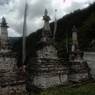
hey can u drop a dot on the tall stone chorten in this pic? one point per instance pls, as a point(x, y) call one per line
point(3, 34)
point(47, 69)
point(79, 69)
point(7, 57)
point(9, 79)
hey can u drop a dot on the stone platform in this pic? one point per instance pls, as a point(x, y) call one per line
point(79, 71)
point(48, 72)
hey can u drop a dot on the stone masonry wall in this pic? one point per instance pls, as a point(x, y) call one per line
point(48, 72)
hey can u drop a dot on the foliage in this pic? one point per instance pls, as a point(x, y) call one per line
point(87, 89)
point(84, 20)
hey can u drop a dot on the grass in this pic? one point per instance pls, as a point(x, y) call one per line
point(86, 89)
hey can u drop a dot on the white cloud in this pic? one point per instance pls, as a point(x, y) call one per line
point(13, 33)
point(13, 10)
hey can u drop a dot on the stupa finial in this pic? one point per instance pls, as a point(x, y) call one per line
point(3, 22)
point(46, 12)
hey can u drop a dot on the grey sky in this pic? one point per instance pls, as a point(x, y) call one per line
point(13, 10)
point(2, 2)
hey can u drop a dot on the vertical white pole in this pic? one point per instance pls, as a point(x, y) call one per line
point(24, 35)
point(55, 26)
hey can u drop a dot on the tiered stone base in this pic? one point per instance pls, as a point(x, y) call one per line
point(10, 82)
point(79, 71)
point(44, 73)
point(48, 72)
point(16, 88)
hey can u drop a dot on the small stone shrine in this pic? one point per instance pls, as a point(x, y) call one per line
point(9, 77)
point(7, 57)
point(79, 69)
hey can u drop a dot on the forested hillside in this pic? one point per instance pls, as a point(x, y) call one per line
point(84, 20)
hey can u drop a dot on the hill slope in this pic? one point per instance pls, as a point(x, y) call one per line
point(85, 23)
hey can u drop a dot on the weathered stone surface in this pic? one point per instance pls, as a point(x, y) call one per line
point(13, 89)
point(45, 81)
point(48, 72)
point(90, 58)
point(9, 79)
point(79, 69)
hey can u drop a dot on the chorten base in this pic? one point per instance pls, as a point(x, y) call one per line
point(79, 71)
point(48, 72)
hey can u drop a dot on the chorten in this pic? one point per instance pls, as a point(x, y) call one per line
point(3, 34)
point(79, 69)
point(47, 69)
point(8, 61)
point(7, 57)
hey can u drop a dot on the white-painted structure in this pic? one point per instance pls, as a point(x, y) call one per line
point(79, 69)
point(3, 34)
point(47, 69)
point(7, 57)
point(8, 64)
point(90, 58)
point(47, 52)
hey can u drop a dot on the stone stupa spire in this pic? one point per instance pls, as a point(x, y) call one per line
point(4, 34)
point(46, 19)
point(3, 22)
point(46, 33)
point(74, 39)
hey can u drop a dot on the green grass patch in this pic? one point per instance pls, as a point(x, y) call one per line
point(87, 89)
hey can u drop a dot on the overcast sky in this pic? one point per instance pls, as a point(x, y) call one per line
point(13, 11)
